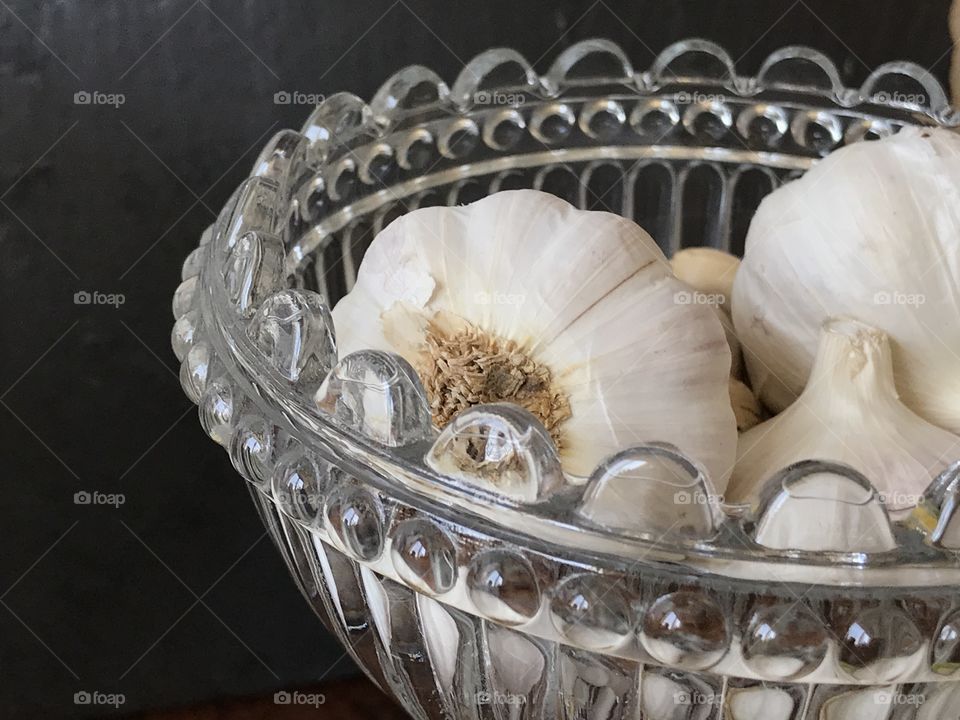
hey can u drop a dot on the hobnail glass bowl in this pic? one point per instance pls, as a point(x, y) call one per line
point(464, 604)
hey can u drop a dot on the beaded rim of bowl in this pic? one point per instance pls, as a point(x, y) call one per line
point(258, 401)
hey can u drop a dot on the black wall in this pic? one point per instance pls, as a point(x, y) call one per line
point(176, 595)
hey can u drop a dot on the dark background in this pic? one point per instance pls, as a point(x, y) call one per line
point(177, 596)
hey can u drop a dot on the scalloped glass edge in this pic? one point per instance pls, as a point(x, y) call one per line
point(560, 77)
point(392, 468)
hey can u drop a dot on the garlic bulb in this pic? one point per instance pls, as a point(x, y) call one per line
point(573, 315)
point(872, 232)
point(849, 413)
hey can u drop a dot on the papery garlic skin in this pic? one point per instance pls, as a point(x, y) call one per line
point(849, 413)
point(872, 232)
point(588, 295)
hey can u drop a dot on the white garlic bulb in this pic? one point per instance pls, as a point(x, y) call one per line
point(574, 315)
point(872, 232)
point(849, 413)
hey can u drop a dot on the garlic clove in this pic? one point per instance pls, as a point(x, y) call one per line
point(871, 703)
point(583, 301)
point(816, 506)
point(849, 413)
point(592, 685)
point(871, 231)
point(378, 604)
point(652, 491)
point(501, 448)
point(754, 703)
point(517, 661)
point(710, 273)
point(442, 638)
point(662, 696)
point(707, 270)
point(746, 407)
point(378, 395)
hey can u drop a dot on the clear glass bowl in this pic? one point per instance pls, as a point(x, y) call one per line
point(462, 603)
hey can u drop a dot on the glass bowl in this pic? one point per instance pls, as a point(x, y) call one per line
point(464, 603)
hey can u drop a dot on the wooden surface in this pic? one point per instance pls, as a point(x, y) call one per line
point(355, 699)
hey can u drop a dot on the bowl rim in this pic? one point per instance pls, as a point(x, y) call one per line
point(399, 472)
